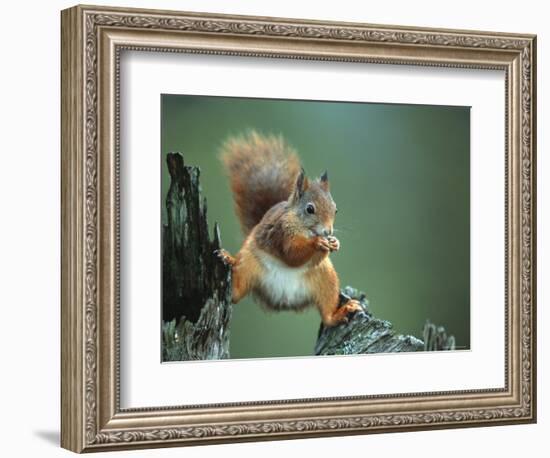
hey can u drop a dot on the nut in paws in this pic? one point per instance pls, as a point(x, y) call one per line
point(333, 243)
point(323, 244)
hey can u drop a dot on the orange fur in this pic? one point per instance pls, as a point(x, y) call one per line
point(298, 250)
point(262, 170)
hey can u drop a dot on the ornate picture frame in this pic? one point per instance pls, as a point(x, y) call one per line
point(92, 41)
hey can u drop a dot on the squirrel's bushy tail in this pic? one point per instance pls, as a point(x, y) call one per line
point(262, 171)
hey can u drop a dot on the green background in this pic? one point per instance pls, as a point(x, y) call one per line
point(400, 177)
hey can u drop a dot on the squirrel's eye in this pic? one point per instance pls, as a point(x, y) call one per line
point(310, 209)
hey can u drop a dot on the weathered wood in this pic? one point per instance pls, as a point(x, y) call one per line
point(362, 333)
point(436, 338)
point(196, 285)
point(207, 338)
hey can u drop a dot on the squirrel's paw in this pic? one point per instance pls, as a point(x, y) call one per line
point(333, 243)
point(226, 258)
point(322, 244)
point(343, 313)
point(349, 308)
point(353, 305)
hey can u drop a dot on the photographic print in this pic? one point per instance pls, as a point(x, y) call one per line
point(300, 228)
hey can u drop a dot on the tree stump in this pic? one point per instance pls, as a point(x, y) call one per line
point(196, 285)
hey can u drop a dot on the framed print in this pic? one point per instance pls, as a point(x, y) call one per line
point(278, 228)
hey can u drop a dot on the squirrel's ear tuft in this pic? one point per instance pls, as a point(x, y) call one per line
point(324, 181)
point(302, 183)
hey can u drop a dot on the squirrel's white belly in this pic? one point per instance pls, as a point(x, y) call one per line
point(283, 287)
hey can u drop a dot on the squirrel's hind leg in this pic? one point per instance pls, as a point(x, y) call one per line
point(327, 298)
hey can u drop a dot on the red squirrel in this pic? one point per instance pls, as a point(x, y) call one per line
point(288, 223)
